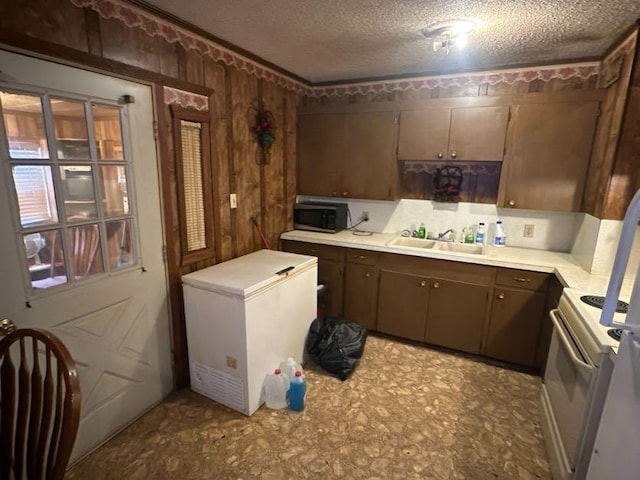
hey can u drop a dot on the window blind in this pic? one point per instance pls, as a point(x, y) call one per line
point(193, 186)
point(34, 188)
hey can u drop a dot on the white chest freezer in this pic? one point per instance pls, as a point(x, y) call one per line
point(243, 317)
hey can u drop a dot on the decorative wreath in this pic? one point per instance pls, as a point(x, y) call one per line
point(446, 184)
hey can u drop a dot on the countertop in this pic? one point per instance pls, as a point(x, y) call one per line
point(566, 268)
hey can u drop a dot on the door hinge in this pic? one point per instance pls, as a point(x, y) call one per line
point(155, 130)
point(164, 254)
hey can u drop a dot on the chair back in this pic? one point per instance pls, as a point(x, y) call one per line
point(39, 405)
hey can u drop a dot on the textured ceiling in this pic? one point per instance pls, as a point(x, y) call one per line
point(333, 40)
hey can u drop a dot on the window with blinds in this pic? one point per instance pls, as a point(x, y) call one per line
point(34, 188)
point(195, 199)
point(192, 185)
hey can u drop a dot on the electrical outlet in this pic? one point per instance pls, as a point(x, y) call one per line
point(365, 216)
point(528, 230)
point(233, 200)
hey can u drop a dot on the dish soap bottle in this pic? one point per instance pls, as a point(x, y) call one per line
point(480, 234)
point(499, 239)
point(422, 231)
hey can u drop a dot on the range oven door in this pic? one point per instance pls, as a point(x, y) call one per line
point(569, 379)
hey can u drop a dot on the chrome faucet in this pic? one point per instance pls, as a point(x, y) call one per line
point(442, 235)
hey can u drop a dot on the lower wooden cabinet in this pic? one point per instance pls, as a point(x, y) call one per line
point(330, 271)
point(361, 294)
point(402, 304)
point(456, 315)
point(516, 318)
point(440, 302)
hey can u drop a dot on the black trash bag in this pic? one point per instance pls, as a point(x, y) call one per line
point(336, 345)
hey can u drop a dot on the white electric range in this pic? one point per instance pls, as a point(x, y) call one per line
point(576, 379)
point(584, 321)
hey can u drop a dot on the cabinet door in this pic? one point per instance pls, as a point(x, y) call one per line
point(478, 133)
point(361, 294)
point(330, 273)
point(549, 155)
point(456, 315)
point(516, 318)
point(369, 166)
point(402, 304)
point(424, 134)
point(321, 152)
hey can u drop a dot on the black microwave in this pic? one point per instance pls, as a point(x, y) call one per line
point(320, 217)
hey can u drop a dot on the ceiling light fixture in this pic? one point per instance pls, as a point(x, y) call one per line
point(447, 34)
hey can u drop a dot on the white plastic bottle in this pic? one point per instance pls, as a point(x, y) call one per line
point(499, 238)
point(289, 367)
point(276, 389)
point(480, 234)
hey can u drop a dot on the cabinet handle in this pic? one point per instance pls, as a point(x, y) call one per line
point(368, 274)
point(511, 203)
point(440, 155)
point(334, 194)
point(361, 257)
point(500, 296)
point(423, 283)
point(454, 154)
point(345, 194)
point(522, 279)
point(436, 285)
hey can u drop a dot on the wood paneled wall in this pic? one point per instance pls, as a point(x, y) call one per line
point(265, 191)
point(615, 161)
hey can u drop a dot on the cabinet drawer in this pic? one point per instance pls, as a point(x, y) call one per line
point(326, 252)
point(362, 257)
point(522, 279)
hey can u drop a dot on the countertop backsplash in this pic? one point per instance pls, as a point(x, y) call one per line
point(553, 231)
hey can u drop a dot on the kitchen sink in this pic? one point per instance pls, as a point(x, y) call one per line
point(412, 242)
point(459, 248)
point(420, 243)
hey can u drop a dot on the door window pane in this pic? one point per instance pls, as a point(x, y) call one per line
point(120, 244)
point(24, 125)
point(96, 234)
point(70, 125)
point(78, 192)
point(114, 190)
point(36, 197)
point(86, 253)
point(106, 125)
point(45, 259)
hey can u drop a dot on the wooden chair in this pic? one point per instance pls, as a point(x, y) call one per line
point(85, 240)
point(39, 405)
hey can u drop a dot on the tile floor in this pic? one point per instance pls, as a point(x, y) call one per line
point(407, 412)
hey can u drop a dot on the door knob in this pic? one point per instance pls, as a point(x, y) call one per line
point(454, 154)
point(512, 203)
point(368, 274)
point(440, 155)
point(423, 283)
point(500, 296)
point(436, 285)
point(6, 326)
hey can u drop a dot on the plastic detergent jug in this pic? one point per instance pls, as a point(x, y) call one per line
point(289, 367)
point(298, 392)
point(276, 387)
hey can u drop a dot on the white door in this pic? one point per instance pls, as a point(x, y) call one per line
point(81, 233)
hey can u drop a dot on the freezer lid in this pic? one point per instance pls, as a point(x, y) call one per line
point(246, 275)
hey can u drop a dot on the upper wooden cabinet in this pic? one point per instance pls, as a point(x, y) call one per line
point(548, 155)
point(464, 133)
point(347, 155)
